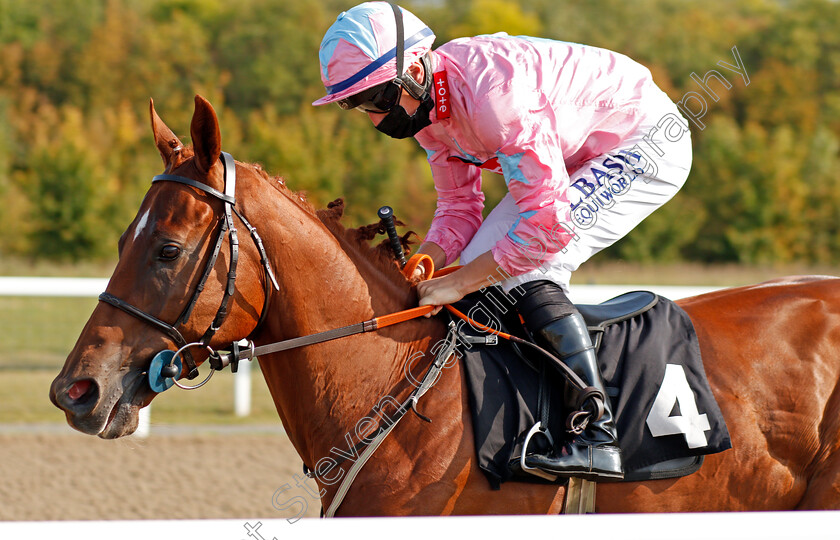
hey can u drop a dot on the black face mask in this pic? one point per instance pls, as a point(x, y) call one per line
point(399, 125)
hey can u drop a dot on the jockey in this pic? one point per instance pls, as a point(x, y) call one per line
point(586, 142)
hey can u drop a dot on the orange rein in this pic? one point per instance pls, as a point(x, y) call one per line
point(220, 361)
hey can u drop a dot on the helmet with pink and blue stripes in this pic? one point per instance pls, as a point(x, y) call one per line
point(359, 50)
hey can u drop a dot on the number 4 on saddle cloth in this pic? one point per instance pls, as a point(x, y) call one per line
point(649, 356)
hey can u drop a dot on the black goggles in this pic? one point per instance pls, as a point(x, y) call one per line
point(379, 99)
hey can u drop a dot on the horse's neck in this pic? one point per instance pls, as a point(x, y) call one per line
point(323, 391)
point(327, 280)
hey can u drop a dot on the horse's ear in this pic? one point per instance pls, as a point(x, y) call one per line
point(206, 138)
point(166, 141)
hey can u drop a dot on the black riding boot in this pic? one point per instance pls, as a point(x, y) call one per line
point(594, 453)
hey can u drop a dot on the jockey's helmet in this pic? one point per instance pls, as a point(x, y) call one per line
point(359, 50)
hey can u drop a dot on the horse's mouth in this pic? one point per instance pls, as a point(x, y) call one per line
point(123, 417)
point(103, 406)
point(108, 409)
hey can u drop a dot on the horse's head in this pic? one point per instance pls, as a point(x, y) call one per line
point(164, 255)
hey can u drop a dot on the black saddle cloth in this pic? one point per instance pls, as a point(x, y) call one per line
point(651, 358)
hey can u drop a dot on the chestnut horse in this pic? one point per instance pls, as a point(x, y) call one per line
point(770, 351)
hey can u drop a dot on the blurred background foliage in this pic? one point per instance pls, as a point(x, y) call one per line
point(76, 152)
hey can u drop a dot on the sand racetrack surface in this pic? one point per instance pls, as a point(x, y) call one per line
point(69, 476)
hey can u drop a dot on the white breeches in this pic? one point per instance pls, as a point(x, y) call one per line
point(610, 195)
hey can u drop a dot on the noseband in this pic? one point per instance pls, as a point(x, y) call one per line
point(227, 228)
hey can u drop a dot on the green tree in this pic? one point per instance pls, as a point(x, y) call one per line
point(66, 202)
point(270, 51)
point(76, 76)
point(491, 16)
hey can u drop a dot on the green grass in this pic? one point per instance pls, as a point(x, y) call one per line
point(24, 398)
point(213, 403)
point(39, 332)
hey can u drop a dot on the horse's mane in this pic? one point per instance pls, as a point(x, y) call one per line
point(359, 238)
point(381, 254)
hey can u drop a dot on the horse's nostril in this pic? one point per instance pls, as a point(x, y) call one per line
point(81, 391)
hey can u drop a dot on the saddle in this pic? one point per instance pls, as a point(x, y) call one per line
point(649, 357)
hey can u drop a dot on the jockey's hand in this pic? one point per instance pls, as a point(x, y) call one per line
point(439, 291)
point(452, 287)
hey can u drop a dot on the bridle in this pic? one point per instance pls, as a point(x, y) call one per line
point(227, 228)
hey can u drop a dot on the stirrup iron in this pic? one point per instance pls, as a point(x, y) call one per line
point(536, 429)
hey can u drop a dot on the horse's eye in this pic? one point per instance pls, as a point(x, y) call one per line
point(169, 252)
